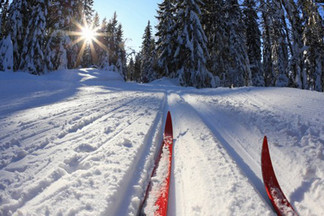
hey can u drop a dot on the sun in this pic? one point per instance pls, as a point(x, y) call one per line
point(88, 34)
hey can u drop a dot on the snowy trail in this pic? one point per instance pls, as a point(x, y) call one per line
point(83, 142)
point(207, 180)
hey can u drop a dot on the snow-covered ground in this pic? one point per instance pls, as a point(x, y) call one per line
point(83, 142)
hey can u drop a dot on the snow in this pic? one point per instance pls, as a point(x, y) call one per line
point(84, 142)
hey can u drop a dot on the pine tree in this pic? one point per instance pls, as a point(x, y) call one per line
point(59, 22)
point(239, 73)
point(166, 34)
point(4, 7)
point(314, 45)
point(279, 46)
point(296, 63)
point(191, 46)
point(253, 41)
point(266, 38)
point(103, 57)
point(6, 54)
point(16, 26)
point(33, 56)
point(120, 51)
point(213, 13)
point(147, 55)
point(111, 40)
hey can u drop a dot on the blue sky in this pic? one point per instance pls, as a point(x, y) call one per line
point(132, 14)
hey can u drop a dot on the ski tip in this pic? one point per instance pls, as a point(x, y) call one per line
point(265, 140)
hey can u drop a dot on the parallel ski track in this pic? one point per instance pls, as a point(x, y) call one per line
point(86, 131)
point(239, 158)
point(222, 158)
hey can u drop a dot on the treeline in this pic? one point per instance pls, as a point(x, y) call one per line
point(215, 43)
point(203, 43)
point(44, 35)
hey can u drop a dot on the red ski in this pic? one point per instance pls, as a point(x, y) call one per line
point(157, 194)
point(275, 194)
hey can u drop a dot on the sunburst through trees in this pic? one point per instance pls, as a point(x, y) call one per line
point(88, 35)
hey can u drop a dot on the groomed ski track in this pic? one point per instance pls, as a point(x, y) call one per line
point(90, 149)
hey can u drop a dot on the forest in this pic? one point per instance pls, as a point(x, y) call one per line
point(202, 43)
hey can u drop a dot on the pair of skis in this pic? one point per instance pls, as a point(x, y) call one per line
point(158, 190)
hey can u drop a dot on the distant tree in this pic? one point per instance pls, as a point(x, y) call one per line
point(148, 55)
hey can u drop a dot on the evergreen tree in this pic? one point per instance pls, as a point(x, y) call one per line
point(279, 46)
point(253, 41)
point(111, 40)
point(213, 13)
point(4, 7)
point(6, 54)
point(147, 55)
point(120, 51)
point(313, 38)
point(16, 26)
point(137, 68)
point(166, 34)
point(33, 56)
point(239, 73)
point(296, 63)
point(266, 38)
point(59, 22)
point(191, 46)
point(88, 10)
point(103, 57)
point(130, 70)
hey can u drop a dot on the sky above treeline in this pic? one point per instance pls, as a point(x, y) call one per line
point(132, 14)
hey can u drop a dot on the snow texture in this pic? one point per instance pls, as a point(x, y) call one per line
point(83, 142)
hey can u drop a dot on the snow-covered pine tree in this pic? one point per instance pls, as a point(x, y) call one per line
point(313, 38)
point(6, 54)
point(239, 73)
point(212, 19)
point(33, 56)
point(279, 46)
point(120, 51)
point(130, 70)
point(137, 68)
point(266, 38)
point(166, 35)
point(253, 41)
point(4, 7)
point(147, 55)
point(88, 10)
point(16, 27)
point(296, 63)
point(191, 46)
point(58, 24)
point(111, 40)
point(103, 52)
point(77, 16)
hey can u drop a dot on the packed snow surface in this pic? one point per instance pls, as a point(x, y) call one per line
point(84, 142)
